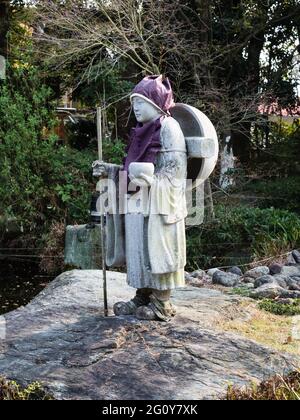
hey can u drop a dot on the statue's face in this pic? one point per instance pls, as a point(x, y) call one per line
point(143, 110)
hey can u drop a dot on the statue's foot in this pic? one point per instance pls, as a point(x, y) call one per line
point(156, 311)
point(129, 308)
point(125, 308)
point(146, 313)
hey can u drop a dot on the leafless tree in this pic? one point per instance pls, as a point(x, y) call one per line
point(143, 32)
point(156, 36)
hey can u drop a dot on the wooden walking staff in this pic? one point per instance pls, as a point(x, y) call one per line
point(103, 245)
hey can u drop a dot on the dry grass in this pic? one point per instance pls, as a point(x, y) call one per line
point(277, 388)
point(265, 328)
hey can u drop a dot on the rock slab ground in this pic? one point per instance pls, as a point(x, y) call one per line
point(63, 340)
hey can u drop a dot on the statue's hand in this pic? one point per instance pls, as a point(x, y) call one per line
point(100, 168)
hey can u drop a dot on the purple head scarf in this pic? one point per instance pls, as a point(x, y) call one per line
point(144, 141)
point(156, 90)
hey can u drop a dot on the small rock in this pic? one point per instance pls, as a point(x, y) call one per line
point(296, 256)
point(257, 272)
point(198, 274)
point(212, 271)
point(196, 282)
point(225, 279)
point(188, 278)
point(207, 279)
point(187, 275)
point(290, 271)
point(275, 268)
point(189, 281)
point(296, 279)
point(264, 280)
point(248, 280)
point(235, 270)
point(290, 260)
point(269, 291)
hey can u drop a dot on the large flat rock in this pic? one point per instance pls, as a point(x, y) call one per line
point(63, 340)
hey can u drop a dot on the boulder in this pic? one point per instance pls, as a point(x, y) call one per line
point(281, 280)
point(264, 280)
point(212, 271)
point(296, 256)
point(62, 340)
point(235, 270)
point(290, 271)
point(198, 274)
point(290, 259)
point(257, 272)
point(291, 294)
point(269, 291)
point(292, 284)
point(187, 275)
point(275, 268)
point(225, 279)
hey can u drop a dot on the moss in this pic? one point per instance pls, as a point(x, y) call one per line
point(276, 388)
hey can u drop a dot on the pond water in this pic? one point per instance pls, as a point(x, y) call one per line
point(20, 282)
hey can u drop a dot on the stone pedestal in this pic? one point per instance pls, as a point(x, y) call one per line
point(83, 247)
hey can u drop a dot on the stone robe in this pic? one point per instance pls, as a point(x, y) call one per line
point(155, 245)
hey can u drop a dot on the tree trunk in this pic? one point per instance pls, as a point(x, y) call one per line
point(4, 26)
point(204, 10)
point(208, 202)
point(241, 141)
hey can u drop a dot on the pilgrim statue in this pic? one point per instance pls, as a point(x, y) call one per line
point(145, 217)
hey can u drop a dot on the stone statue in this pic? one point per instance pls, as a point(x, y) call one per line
point(154, 239)
point(149, 234)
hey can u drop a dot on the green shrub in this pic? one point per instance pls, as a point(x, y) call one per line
point(10, 390)
point(240, 235)
point(278, 308)
point(281, 193)
point(276, 169)
point(114, 151)
point(40, 180)
point(83, 135)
